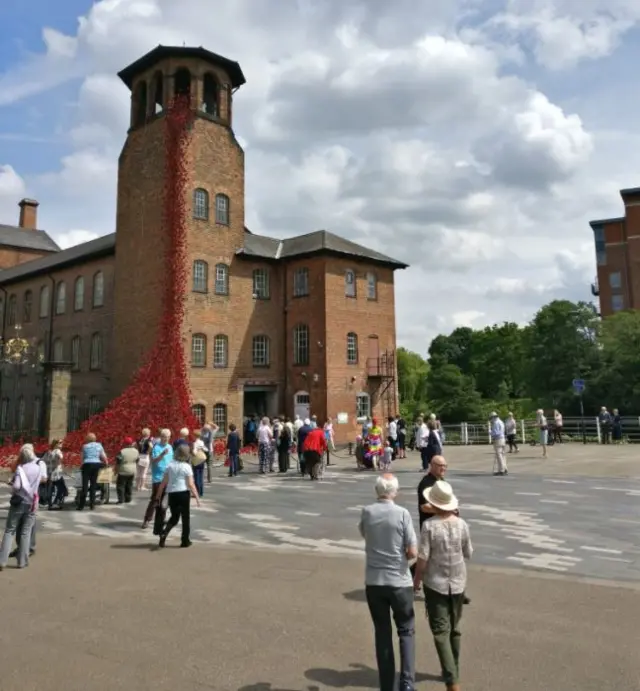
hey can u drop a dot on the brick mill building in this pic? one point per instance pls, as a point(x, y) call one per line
point(304, 325)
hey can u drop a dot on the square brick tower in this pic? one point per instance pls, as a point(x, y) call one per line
point(214, 208)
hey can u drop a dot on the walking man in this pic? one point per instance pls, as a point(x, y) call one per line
point(498, 441)
point(390, 542)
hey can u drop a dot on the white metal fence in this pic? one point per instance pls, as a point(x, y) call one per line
point(574, 429)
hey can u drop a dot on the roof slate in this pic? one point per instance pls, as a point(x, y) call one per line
point(24, 238)
point(100, 246)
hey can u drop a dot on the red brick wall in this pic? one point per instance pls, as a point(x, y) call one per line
point(10, 256)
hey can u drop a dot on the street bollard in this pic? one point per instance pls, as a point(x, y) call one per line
point(351, 448)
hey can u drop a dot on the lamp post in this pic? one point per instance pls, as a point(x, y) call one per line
point(17, 353)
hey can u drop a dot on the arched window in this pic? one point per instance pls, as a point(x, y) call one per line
point(44, 301)
point(73, 420)
point(12, 311)
point(58, 350)
point(198, 350)
point(372, 286)
point(363, 405)
point(37, 412)
point(350, 283)
point(199, 413)
point(222, 279)
point(75, 353)
point(182, 82)
point(222, 209)
point(61, 297)
point(20, 413)
point(94, 405)
point(27, 307)
point(98, 289)
point(95, 358)
point(261, 284)
point(301, 344)
point(260, 351)
point(78, 294)
point(210, 94)
point(200, 276)
point(220, 351)
point(220, 416)
point(157, 105)
point(352, 349)
point(201, 204)
point(140, 104)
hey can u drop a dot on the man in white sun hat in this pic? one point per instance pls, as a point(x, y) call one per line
point(445, 543)
point(498, 441)
point(390, 542)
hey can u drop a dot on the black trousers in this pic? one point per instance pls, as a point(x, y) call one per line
point(179, 505)
point(155, 509)
point(124, 488)
point(89, 483)
point(283, 459)
point(511, 440)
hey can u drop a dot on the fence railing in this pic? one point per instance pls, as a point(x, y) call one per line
point(574, 429)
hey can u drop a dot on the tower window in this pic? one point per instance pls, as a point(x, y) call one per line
point(220, 351)
point(198, 350)
point(200, 276)
point(182, 81)
point(220, 415)
point(352, 349)
point(98, 289)
point(372, 286)
point(261, 284)
point(95, 355)
point(44, 301)
point(222, 209)
point(260, 351)
point(27, 306)
point(210, 94)
point(222, 279)
point(301, 345)
point(201, 204)
point(61, 297)
point(301, 283)
point(140, 104)
point(158, 92)
point(78, 294)
point(350, 283)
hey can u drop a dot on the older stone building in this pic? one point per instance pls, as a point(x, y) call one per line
point(304, 325)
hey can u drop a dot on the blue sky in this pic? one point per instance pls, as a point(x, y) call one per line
point(517, 125)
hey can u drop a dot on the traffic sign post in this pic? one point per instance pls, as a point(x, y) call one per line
point(578, 387)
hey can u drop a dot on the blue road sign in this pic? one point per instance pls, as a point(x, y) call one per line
point(578, 385)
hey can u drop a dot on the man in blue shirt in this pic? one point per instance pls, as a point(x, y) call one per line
point(161, 456)
point(498, 441)
point(302, 435)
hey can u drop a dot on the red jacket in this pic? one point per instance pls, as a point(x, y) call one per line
point(315, 441)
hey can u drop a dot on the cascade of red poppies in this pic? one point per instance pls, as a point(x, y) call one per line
point(158, 395)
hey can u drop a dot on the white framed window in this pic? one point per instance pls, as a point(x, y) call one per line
point(58, 350)
point(617, 303)
point(222, 279)
point(199, 413)
point(350, 283)
point(220, 351)
point(78, 294)
point(220, 416)
point(363, 405)
point(95, 356)
point(201, 204)
point(301, 282)
point(12, 311)
point(352, 349)
point(261, 284)
point(222, 209)
point(44, 301)
point(615, 280)
point(260, 351)
point(75, 353)
point(61, 298)
point(200, 276)
point(372, 286)
point(198, 350)
point(98, 289)
point(301, 345)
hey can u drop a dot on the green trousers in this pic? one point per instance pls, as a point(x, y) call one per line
point(445, 612)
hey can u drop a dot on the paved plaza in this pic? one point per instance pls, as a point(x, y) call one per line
point(270, 597)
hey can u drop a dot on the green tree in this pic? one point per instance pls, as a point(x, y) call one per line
point(453, 395)
point(412, 382)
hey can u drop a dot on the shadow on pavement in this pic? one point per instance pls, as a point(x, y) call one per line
point(355, 595)
point(358, 676)
point(265, 686)
point(137, 545)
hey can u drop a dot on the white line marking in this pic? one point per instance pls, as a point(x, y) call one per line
point(529, 494)
point(622, 561)
point(561, 482)
point(600, 549)
point(307, 513)
point(553, 501)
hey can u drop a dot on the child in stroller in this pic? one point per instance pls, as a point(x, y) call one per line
point(54, 491)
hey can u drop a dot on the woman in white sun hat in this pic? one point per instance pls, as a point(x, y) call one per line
point(445, 543)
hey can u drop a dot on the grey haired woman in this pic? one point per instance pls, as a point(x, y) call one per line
point(22, 508)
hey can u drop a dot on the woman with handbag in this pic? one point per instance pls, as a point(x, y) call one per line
point(145, 444)
point(180, 487)
point(198, 460)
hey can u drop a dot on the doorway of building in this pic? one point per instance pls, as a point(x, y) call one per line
point(302, 404)
point(260, 401)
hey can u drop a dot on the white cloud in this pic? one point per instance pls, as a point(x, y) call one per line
point(423, 132)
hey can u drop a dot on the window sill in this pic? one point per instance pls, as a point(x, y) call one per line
point(198, 366)
point(372, 299)
point(97, 307)
point(221, 367)
point(200, 292)
point(302, 295)
point(225, 224)
point(351, 297)
point(261, 366)
point(200, 218)
point(352, 364)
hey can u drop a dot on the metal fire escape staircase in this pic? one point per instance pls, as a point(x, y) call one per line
point(381, 371)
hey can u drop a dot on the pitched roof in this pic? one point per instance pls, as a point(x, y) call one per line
point(318, 242)
point(102, 246)
point(231, 67)
point(25, 238)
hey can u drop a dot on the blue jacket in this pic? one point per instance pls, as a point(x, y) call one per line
point(302, 435)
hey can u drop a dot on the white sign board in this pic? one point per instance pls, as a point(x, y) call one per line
point(343, 418)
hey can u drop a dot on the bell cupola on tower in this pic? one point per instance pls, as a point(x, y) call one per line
point(212, 165)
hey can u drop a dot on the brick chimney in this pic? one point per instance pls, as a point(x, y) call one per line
point(28, 214)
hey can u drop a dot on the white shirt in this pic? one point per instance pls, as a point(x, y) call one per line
point(298, 424)
point(510, 426)
point(43, 471)
point(393, 430)
point(264, 434)
point(199, 445)
point(558, 420)
point(178, 474)
point(422, 435)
